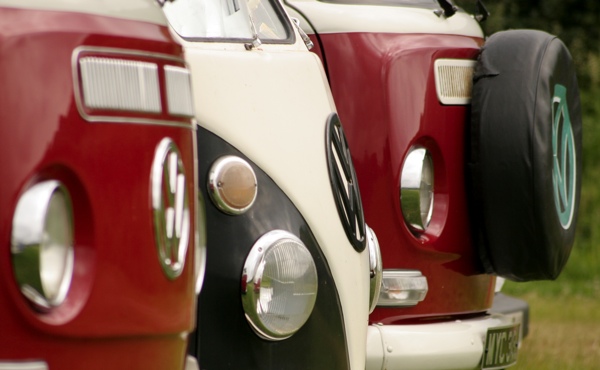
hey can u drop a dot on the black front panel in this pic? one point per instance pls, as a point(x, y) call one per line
point(224, 338)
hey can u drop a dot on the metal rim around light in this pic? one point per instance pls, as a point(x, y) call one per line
point(252, 283)
point(417, 176)
point(375, 268)
point(31, 242)
point(215, 184)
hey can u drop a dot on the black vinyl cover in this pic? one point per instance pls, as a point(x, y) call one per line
point(525, 158)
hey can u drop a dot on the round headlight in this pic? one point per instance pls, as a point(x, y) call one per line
point(42, 244)
point(416, 189)
point(232, 185)
point(279, 285)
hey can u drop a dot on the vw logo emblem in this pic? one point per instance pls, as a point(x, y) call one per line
point(563, 153)
point(170, 208)
point(344, 184)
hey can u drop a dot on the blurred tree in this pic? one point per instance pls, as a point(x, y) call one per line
point(576, 22)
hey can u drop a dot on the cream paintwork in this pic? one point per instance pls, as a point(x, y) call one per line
point(137, 10)
point(272, 104)
point(451, 345)
point(344, 18)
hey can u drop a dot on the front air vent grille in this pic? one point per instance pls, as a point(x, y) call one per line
point(132, 86)
point(179, 91)
point(454, 80)
point(118, 84)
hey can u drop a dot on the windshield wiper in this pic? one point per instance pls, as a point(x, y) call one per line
point(448, 8)
point(482, 12)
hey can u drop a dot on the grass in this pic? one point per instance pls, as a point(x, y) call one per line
point(565, 314)
point(564, 334)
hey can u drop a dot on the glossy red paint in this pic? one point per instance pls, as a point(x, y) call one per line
point(122, 311)
point(384, 89)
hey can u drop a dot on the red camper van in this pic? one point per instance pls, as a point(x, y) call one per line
point(468, 157)
point(98, 221)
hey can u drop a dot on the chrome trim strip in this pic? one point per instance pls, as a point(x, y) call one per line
point(124, 52)
point(24, 365)
point(375, 268)
point(118, 52)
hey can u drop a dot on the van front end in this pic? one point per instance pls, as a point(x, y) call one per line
point(288, 281)
point(99, 245)
point(470, 169)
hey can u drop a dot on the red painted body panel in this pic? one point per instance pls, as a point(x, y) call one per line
point(122, 310)
point(384, 89)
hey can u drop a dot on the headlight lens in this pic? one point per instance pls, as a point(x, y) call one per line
point(279, 285)
point(416, 189)
point(232, 185)
point(42, 244)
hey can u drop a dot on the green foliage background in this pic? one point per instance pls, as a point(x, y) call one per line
point(576, 22)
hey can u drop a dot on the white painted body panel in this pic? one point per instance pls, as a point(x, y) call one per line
point(272, 103)
point(138, 10)
point(345, 18)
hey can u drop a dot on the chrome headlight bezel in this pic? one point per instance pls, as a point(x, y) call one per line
point(417, 189)
point(239, 198)
point(42, 244)
point(256, 289)
point(375, 268)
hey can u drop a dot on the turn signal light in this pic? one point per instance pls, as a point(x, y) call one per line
point(402, 288)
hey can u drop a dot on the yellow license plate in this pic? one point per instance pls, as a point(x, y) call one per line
point(501, 347)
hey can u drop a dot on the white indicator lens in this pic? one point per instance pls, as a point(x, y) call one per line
point(402, 288)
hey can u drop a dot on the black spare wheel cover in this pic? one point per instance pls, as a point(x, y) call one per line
point(525, 155)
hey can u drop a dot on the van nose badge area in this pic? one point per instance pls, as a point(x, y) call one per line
point(171, 208)
point(344, 183)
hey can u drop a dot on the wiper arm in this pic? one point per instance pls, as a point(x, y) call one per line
point(307, 41)
point(448, 7)
point(255, 39)
point(482, 12)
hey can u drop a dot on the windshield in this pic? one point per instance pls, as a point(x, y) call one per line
point(227, 19)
